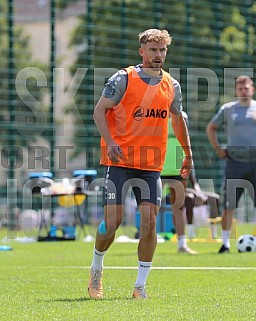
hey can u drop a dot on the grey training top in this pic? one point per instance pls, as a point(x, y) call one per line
point(116, 87)
point(240, 126)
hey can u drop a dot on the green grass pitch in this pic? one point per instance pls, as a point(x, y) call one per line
point(47, 281)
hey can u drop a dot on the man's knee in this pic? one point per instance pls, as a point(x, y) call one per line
point(148, 227)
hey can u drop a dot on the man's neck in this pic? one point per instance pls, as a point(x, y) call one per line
point(152, 72)
point(245, 102)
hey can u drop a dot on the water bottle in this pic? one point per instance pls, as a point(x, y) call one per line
point(5, 248)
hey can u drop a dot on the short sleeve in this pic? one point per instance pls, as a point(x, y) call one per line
point(115, 87)
point(218, 119)
point(176, 106)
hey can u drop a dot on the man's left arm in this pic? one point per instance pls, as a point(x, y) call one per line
point(180, 129)
point(181, 132)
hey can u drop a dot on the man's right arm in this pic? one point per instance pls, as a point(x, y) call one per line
point(116, 86)
point(112, 94)
point(212, 130)
point(99, 116)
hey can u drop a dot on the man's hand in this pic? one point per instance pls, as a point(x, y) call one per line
point(186, 167)
point(222, 153)
point(115, 152)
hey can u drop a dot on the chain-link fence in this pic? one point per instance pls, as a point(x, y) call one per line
point(57, 55)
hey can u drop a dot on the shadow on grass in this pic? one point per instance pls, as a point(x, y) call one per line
point(67, 300)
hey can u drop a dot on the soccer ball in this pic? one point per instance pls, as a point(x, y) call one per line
point(246, 243)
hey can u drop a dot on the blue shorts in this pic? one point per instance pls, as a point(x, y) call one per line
point(239, 176)
point(146, 185)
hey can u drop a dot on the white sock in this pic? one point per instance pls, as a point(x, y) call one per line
point(182, 241)
point(97, 262)
point(225, 237)
point(191, 230)
point(143, 271)
point(214, 230)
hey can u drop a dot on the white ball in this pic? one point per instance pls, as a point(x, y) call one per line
point(246, 243)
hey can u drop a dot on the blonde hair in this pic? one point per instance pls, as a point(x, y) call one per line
point(156, 35)
point(244, 80)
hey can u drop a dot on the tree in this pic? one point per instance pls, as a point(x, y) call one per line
point(206, 34)
point(29, 113)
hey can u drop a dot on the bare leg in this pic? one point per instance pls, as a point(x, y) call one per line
point(177, 197)
point(104, 238)
point(146, 246)
point(189, 203)
point(227, 218)
point(213, 202)
point(113, 218)
point(148, 240)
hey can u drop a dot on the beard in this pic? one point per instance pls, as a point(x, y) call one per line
point(244, 98)
point(156, 64)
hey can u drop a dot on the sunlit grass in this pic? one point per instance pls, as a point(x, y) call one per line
point(48, 281)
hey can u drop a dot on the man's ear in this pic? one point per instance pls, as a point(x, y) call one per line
point(141, 51)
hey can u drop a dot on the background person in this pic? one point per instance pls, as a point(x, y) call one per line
point(195, 197)
point(239, 119)
point(132, 118)
point(177, 185)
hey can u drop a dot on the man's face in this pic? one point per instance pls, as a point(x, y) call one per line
point(244, 90)
point(153, 54)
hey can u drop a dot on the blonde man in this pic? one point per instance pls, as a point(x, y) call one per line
point(132, 118)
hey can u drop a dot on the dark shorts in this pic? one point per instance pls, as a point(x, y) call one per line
point(146, 185)
point(176, 183)
point(171, 177)
point(239, 176)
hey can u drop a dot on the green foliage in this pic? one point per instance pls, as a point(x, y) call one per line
point(233, 40)
point(206, 34)
point(29, 112)
point(62, 4)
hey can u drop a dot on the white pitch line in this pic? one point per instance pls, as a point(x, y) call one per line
point(179, 268)
point(153, 268)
